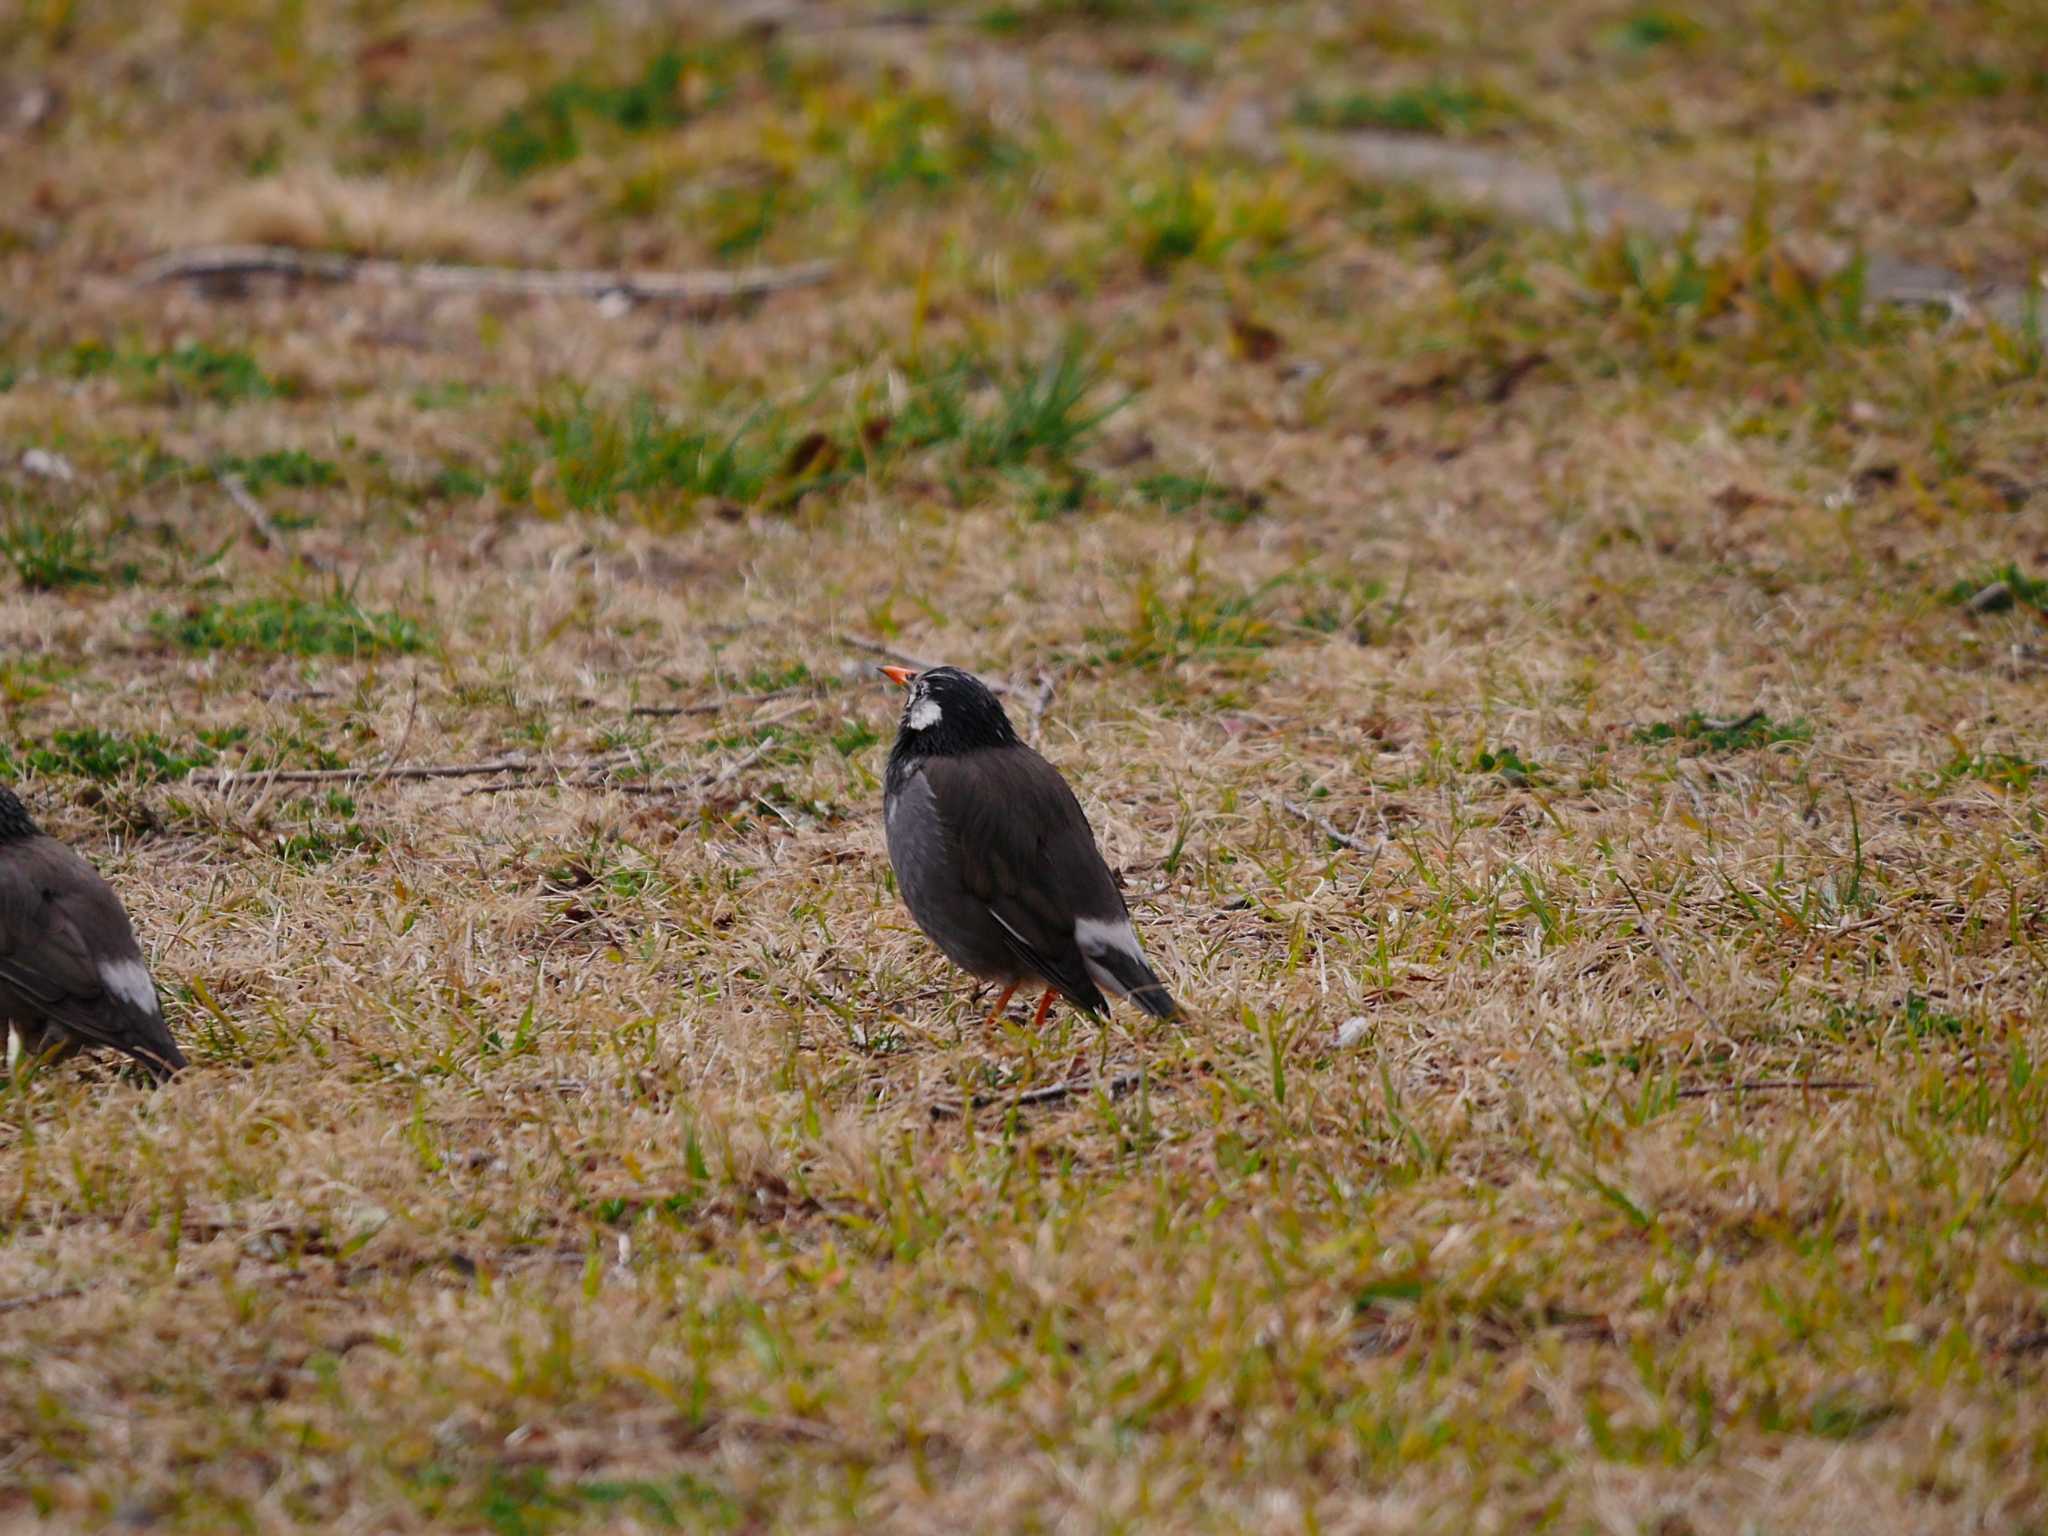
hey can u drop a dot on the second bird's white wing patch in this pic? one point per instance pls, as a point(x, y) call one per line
point(129, 981)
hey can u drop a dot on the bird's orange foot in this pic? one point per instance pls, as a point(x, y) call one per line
point(1001, 1003)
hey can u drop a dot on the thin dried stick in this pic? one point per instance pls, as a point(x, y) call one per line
point(38, 1298)
point(709, 706)
point(1052, 1093)
point(1775, 1085)
point(739, 764)
point(412, 716)
point(227, 264)
point(1329, 829)
point(268, 534)
point(689, 786)
point(228, 777)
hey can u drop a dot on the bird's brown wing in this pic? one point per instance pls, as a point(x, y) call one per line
point(1024, 850)
point(61, 928)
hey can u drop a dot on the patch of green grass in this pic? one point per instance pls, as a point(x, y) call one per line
point(196, 370)
point(1200, 622)
point(290, 467)
point(598, 459)
point(1170, 223)
point(855, 736)
point(447, 395)
point(1917, 1015)
point(2002, 770)
point(1654, 27)
point(1744, 734)
point(212, 373)
point(91, 753)
point(454, 482)
point(1184, 493)
point(50, 553)
point(1041, 412)
point(1205, 216)
point(1438, 108)
point(1513, 768)
point(1023, 420)
point(1002, 417)
point(293, 626)
point(673, 86)
point(1754, 305)
point(527, 1501)
point(2019, 587)
point(915, 140)
point(316, 843)
point(795, 674)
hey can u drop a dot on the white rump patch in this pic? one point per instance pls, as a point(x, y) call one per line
point(923, 714)
point(1097, 936)
point(129, 981)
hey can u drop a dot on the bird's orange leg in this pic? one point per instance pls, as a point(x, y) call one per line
point(1001, 1003)
point(1044, 1007)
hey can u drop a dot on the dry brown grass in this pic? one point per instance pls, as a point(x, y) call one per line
point(563, 1155)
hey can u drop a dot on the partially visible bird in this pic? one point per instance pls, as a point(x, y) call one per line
point(71, 973)
point(995, 859)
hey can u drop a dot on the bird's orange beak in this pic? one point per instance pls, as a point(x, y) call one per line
point(900, 676)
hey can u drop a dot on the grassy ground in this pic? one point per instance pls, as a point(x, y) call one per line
point(561, 1148)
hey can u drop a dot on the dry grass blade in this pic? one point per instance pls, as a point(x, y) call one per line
point(1664, 955)
point(216, 266)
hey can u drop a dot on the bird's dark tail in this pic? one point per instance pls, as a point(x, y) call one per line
point(1116, 969)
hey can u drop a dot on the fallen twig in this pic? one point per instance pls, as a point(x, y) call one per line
point(709, 706)
point(1329, 829)
point(268, 534)
point(1775, 1085)
point(741, 763)
point(38, 1298)
point(1115, 1087)
point(226, 265)
point(690, 786)
point(235, 777)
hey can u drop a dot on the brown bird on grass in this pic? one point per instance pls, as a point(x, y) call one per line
point(995, 859)
point(71, 973)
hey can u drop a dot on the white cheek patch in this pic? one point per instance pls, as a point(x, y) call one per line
point(129, 981)
point(923, 715)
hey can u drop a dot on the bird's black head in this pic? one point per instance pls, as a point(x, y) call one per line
point(948, 711)
point(15, 821)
